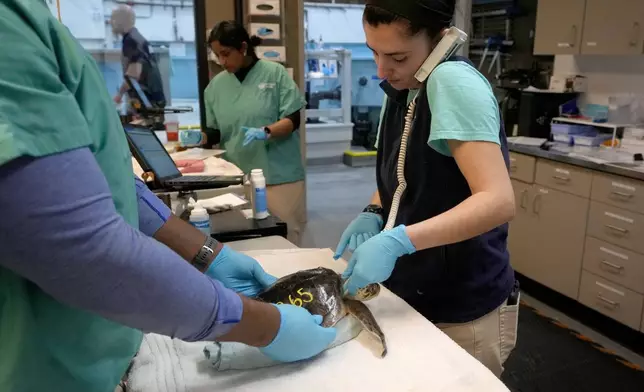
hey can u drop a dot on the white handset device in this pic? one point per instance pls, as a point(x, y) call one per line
point(448, 45)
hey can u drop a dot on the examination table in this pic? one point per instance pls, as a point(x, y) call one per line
point(420, 357)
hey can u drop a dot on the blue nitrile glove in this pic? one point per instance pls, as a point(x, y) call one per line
point(365, 226)
point(253, 134)
point(300, 335)
point(188, 138)
point(239, 272)
point(375, 259)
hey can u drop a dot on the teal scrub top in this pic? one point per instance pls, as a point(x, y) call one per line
point(266, 95)
point(54, 99)
point(451, 87)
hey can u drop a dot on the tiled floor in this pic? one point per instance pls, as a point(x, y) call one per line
point(337, 193)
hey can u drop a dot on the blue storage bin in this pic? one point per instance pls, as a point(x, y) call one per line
point(564, 133)
point(572, 129)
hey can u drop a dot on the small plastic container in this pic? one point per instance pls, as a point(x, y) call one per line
point(172, 130)
point(258, 197)
point(200, 218)
point(590, 141)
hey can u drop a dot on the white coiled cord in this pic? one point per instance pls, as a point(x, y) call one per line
point(400, 169)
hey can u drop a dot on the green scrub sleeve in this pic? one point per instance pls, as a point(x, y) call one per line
point(211, 121)
point(39, 115)
point(290, 97)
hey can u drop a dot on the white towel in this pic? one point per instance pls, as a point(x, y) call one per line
point(237, 356)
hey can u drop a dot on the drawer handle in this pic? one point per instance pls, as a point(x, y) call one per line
point(524, 194)
point(614, 267)
point(622, 194)
point(536, 204)
point(617, 229)
point(607, 301)
point(561, 178)
point(636, 34)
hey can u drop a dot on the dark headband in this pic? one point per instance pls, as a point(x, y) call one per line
point(415, 10)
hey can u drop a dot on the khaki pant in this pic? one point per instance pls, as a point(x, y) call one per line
point(286, 201)
point(490, 339)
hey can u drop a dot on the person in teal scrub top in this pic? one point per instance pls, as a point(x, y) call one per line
point(253, 112)
point(89, 257)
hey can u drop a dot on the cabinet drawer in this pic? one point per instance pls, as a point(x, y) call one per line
point(618, 191)
point(611, 300)
point(564, 177)
point(616, 226)
point(615, 264)
point(522, 167)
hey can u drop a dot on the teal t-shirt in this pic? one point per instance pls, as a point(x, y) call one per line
point(266, 95)
point(462, 104)
point(53, 99)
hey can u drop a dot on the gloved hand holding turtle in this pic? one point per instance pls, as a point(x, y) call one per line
point(239, 272)
point(365, 226)
point(300, 335)
point(375, 259)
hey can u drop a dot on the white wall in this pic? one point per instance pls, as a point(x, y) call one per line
point(334, 23)
point(87, 20)
point(606, 75)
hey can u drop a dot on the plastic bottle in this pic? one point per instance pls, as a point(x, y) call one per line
point(200, 218)
point(258, 183)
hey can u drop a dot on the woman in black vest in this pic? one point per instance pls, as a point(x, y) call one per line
point(446, 252)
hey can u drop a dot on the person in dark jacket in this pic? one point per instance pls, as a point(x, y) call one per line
point(137, 60)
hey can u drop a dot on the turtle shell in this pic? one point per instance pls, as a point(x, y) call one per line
point(318, 290)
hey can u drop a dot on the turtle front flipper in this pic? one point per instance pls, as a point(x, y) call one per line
point(362, 313)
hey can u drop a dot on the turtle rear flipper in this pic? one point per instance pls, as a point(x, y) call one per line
point(348, 328)
point(361, 312)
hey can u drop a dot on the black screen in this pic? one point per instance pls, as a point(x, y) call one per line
point(150, 149)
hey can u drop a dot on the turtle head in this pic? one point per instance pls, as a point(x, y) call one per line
point(366, 293)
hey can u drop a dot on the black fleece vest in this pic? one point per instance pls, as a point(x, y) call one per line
point(454, 283)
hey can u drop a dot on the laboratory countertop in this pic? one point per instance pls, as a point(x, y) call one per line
point(634, 170)
point(233, 225)
point(262, 243)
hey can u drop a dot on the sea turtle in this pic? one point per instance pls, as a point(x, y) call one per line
point(320, 291)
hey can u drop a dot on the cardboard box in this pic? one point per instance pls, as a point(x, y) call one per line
point(266, 30)
point(264, 7)
point(271, 53)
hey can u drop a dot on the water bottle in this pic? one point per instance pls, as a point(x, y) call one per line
point(200, 219)
point(259, 203)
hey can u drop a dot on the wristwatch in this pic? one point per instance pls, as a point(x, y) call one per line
point(202, 259)
point(376, 209)
point(268, 131)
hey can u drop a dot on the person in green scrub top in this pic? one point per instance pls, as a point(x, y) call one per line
point(90, 259)
point(253, 112)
